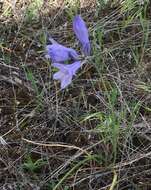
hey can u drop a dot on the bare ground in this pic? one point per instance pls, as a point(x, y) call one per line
point(40, 122)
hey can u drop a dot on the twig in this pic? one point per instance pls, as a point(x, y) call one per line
point(57, 145)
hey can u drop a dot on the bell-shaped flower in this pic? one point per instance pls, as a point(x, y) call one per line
point(81, 32)
point(59, 53)
point(66, 72)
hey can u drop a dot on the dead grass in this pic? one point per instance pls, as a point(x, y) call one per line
point(52, 139)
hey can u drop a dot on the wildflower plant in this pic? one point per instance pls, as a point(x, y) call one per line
point(59, 54)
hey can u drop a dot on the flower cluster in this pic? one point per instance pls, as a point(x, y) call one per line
point(59, 53)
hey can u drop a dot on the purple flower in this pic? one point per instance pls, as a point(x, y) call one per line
point(66, 72)
point(60, 53)
point(81, 31)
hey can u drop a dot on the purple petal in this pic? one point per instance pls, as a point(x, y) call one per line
point(74, 67)
point(66, 72)
point(86, 49)
point(66, 81)
point(59, 53)
point(57, 75)
point(60, 66)
point(81, 32)
point(73, 54)
point(70, 68)
point(52, 40)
